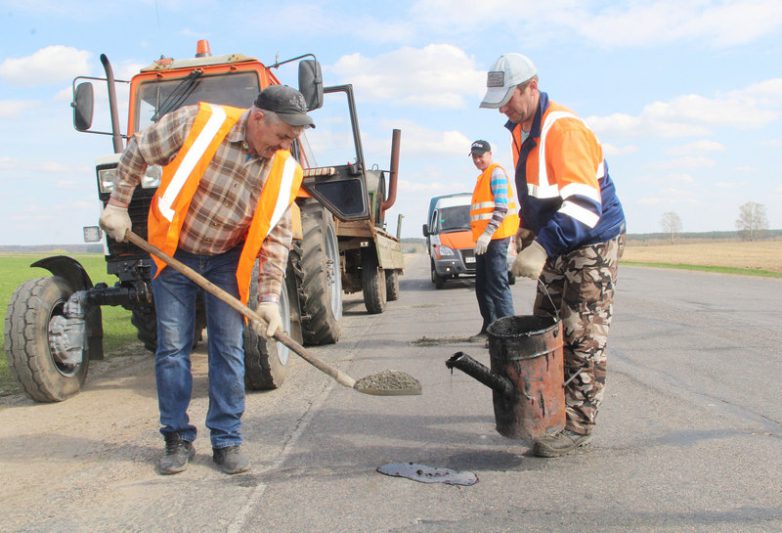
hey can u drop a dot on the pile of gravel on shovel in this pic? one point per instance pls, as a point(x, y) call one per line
point(389, 383)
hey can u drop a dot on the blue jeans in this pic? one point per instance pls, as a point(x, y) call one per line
point(491, 283)
point(175, 305)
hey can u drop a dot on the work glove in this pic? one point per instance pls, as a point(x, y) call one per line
point(529, 262)
point(524, 238)
point(483, 244)
point(115, 221)
point(270, 313)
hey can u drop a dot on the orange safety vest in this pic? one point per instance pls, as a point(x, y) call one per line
point(483, 206)
point(181, 177)
point(579, 173)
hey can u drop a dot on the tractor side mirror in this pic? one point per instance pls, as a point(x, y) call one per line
point(311, 83)
point(83, 101)
point(426, 230)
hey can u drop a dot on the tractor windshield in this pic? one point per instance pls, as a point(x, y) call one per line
point(158, 97)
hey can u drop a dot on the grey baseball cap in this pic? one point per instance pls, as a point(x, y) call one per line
point(507, 72)
point(287, 102)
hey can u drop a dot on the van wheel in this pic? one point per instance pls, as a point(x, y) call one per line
point(439, 281)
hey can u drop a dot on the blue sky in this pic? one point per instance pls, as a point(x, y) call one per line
point(686, 95)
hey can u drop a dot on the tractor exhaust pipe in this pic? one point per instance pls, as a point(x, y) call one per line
point(394, 172)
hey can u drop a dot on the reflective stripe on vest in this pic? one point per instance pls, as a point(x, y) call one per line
point(543, 189)
point(482, 207)
point(277, 195)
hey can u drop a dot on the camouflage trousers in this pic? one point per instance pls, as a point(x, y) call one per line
point(580, 286)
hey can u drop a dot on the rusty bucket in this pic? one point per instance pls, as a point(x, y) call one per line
point(527, 350)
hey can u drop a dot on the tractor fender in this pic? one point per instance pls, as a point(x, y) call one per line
point(73, 272)
point(67, 268)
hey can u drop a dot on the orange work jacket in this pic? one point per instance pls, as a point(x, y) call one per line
point(181, 177)
point(483, 206)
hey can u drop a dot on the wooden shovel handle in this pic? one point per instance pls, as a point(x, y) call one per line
point(224, 296)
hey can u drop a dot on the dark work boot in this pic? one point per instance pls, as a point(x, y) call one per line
point(559, 444)
point(231, 460)
point(178, 453)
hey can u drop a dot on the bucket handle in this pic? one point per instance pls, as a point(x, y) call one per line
point(545, 290)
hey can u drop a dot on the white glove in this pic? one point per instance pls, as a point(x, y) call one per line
point(482, 244)
point(115, 221)
point(270, 313)
point(529, 262)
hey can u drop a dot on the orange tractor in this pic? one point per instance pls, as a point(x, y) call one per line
point(53, 326)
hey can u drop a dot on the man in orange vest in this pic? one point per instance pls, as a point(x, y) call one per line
point(574, 224)
point(494, 220)
point(223, 203)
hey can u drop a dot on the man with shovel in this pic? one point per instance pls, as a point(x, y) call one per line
point(223, 203)
point(570, 209)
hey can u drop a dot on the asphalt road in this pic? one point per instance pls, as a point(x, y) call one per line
point(689, 437)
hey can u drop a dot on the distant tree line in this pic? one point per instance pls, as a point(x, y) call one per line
point(751, 225)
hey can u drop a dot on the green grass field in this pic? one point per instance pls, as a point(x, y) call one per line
point(15, 270)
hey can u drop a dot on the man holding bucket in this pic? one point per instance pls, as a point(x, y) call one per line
point(573, 227)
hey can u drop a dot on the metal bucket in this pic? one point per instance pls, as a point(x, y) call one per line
point(528, 351)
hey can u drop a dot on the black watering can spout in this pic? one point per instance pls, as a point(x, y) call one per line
point(481, 372)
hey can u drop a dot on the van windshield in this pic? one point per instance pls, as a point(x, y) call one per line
point(455, 218)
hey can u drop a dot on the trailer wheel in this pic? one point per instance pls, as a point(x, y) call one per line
point(320, 276)
point(373, 283)
point(392, 285)
point(265, 360)
point(32, 307)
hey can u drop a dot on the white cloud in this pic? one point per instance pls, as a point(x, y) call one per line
point(690, 161)
point(704, 145)
point(438, 75)
point(16, 167)
point(694, 115)
point(15, 108)
point(429, 187)
point(52, 64)
point(669, 197)
point(427, 142)
point(612, 150)
point(608, 24)
point(653, 23)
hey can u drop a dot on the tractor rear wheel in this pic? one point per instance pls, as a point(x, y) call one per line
point(320, 276)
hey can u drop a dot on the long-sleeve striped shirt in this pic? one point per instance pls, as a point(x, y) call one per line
point(224, 203)
point(499, 189)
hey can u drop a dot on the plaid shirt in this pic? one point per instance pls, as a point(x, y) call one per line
point(224, 203)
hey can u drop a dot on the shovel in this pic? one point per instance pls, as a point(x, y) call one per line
point(385, 383)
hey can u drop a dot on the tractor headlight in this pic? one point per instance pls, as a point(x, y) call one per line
point(151, 180)
point(106, 179)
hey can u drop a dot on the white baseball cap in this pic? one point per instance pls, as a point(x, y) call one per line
point(508, 71)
